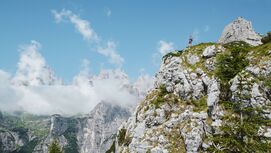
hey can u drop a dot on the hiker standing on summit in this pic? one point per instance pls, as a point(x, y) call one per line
point(190, 41)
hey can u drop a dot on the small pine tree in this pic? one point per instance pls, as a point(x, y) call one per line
point(267, 38)
point(240, 131)
point(229, 64)
point(54, 147)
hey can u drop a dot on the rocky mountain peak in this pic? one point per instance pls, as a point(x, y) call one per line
point(58, 125)
point(240, 30)
point(105, 109)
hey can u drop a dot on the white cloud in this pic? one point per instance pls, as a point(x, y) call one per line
point(32, 67)
point(80, 96)
point(89, 34)
point(108, 12)
point(9, 96)
point(165, 47)
point(82, 26)
point(110, 51)
point(143, 84)
point(206, 28)
point(195, 35)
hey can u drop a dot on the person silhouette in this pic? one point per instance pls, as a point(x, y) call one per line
point(190, 41)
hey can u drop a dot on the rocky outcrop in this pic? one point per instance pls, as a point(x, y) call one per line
point(174, 126)
point(184, 108)
point(240, 30)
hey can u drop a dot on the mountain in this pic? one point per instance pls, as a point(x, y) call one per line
point(90, 133)
point(211, 97)
point(93, 132)
point(21, 132)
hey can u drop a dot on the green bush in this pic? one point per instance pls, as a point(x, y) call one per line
point(54, 147)
point(229, 64)
point(163, 90)
point(121, 136)
point(240, 129)
point(239, 133)
point(267, 38)
point(160, 96)
point(232, 61)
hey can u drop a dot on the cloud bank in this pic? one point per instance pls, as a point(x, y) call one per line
point(35, 88)
point(106, 48)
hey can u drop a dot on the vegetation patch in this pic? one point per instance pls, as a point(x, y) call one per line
point(200, 105)
point(160, 97)
point(176, 53)
point(55, 147)
point(112, 148)
point(34, 123)
point(260, 53)
point(266, 38)
point(196, 49)
point(123, 138)
point(229, 64)
point(239, 133)
point(163, 96)
point(176, 142)
point(232, 61)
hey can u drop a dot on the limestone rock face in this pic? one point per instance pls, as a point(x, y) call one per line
point(9, 141)
point(58, 125)
point(240, 30)
point(97, 130)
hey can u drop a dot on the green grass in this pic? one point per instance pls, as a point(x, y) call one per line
point(193, 49)
point(176, 142)
point(160, 99)
point(260, 53)
point(176, 53)
point(32, 122)
point(200, 104)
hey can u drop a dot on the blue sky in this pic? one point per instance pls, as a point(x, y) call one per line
point(136, 27)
